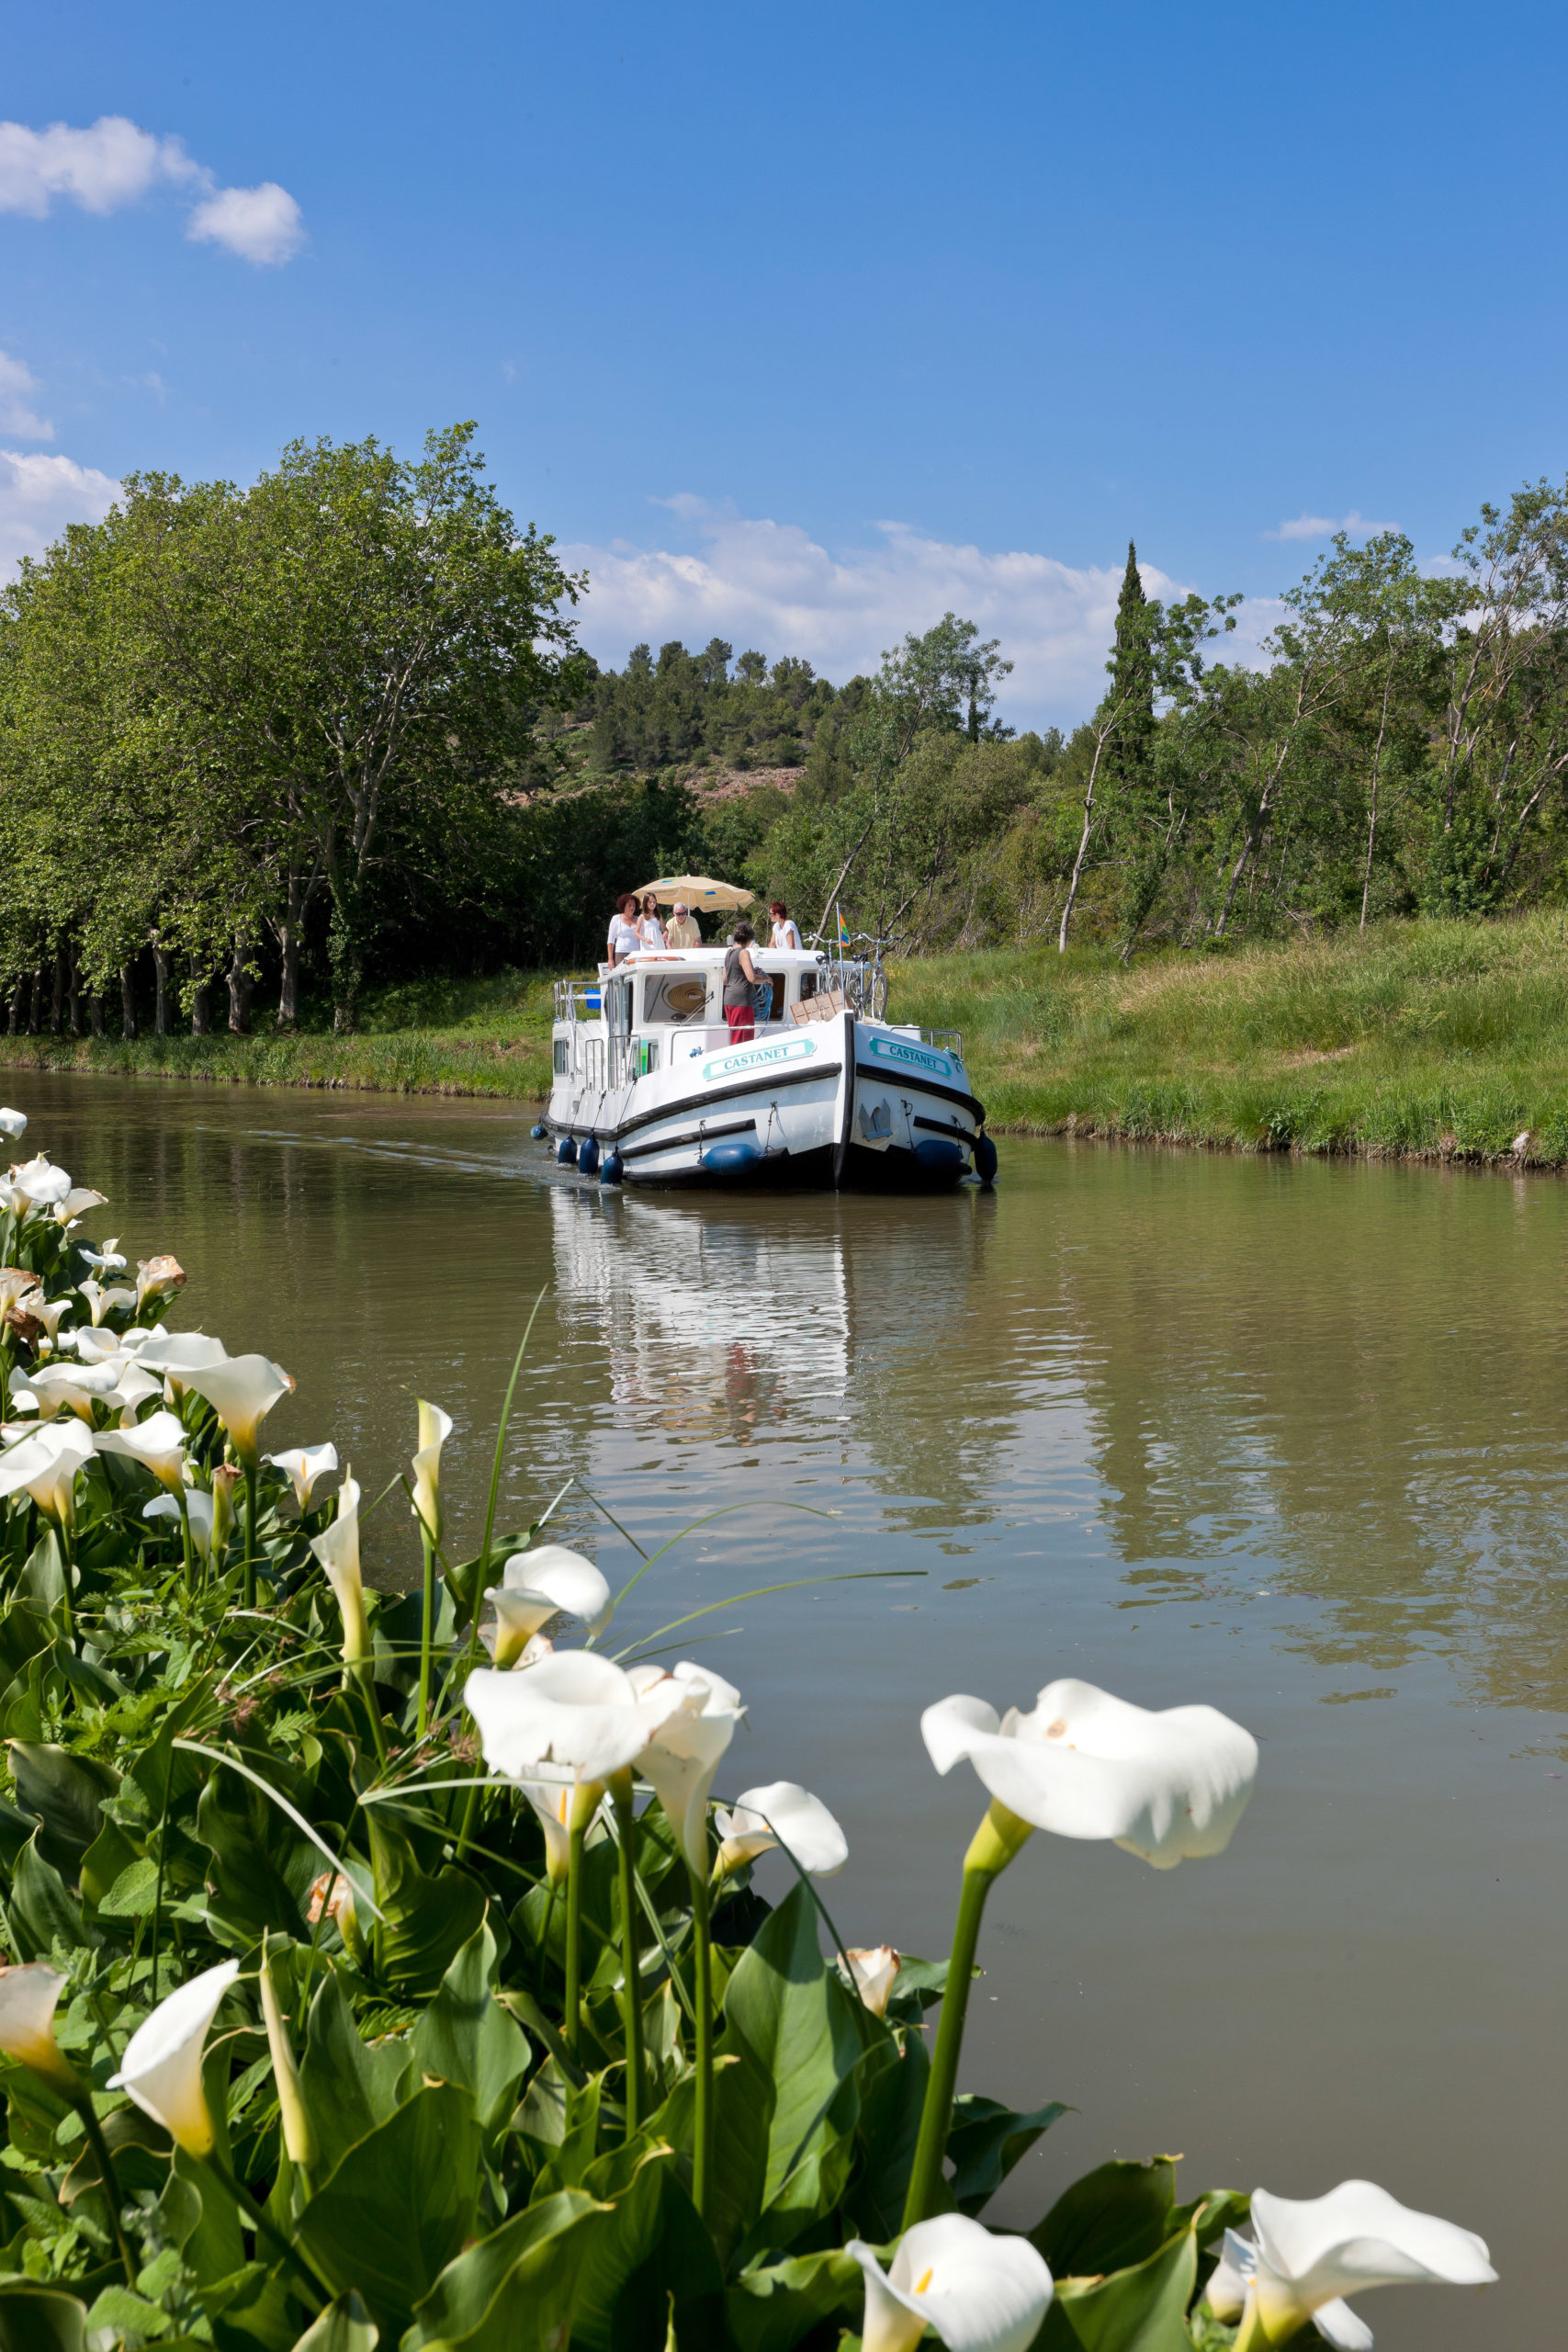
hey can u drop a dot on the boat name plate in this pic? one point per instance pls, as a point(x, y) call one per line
point(745, 1057)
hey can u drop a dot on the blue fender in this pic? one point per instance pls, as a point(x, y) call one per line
point(940, 1156)
point(566, 1151)
point(612, 1170)
point(731, 1158)
point(539, 1132)
point(985, 1159)
point(588, 1158)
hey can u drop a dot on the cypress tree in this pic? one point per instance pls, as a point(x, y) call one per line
point(1132, 673)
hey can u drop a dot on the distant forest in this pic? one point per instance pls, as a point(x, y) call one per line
point(264, 747)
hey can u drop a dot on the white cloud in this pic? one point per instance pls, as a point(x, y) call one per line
point(39, 495)
point(771, 585)
point(18, 385)
point(260, 225)
point(1322, 526)
point(114, 163)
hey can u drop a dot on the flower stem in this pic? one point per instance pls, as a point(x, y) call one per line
point(702, 1946)
point(99, 2147)
point(250, 1534)
point(427, 1630)
point(254, 2219)
point(996, 1841)
point(631, 1956)
point(184, 1545)
point(574, 1938)
point(1251, 2335)
point(63, 1533)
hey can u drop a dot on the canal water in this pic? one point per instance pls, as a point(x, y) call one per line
point(1287, 1438)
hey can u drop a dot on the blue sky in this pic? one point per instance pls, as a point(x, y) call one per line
point(801, 326)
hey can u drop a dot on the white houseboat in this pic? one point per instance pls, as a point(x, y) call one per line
point(648, 1087)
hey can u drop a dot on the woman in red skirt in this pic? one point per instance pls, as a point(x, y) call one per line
point(740, 978)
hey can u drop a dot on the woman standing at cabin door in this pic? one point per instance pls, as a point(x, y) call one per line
point(740, 978)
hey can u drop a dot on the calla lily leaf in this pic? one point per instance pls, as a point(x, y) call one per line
point(987, 2138)
point(513, 2291)
point(1117, 2215)
point(399, 2206)
point(1145, 2303)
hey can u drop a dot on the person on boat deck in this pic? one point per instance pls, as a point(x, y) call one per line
point(785, 932)
point(681, 929)
point(740, 978)
point(650, 929)
point(623, 940)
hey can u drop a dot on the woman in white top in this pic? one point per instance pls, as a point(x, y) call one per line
point(650, 929)
point(785, 933)
point(623, 939)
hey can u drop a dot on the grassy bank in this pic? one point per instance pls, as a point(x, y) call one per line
point(1440, 1040)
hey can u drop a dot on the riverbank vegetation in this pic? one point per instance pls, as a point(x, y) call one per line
point(1442, 1040)
point(385, 1966)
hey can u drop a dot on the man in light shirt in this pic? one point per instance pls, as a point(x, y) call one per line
point(681, 929)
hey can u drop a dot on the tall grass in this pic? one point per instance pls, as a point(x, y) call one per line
point(1439, 1039)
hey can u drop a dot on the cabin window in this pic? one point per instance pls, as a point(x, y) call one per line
point(807, 986)
point(645, 1052)
point(594, 1064)
point(779, 981)
point(618, 1006)
point(561, 1056)
point(674, 997)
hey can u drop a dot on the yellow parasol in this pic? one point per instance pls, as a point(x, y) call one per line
point(697, 892)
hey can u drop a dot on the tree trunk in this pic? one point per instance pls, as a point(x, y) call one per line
point(95, 1014)
point(290, 933)
point(127, 1000)
point(163, 974)
point(74, 992)
point(34, 1010)
point(57, 995)
point(200, 1002)
point(1083, 846)
point(1372, 810)
point(14, 1011)
point(347, 961)
point(239, 990)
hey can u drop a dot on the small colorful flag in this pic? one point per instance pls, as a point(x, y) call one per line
point(843, 929)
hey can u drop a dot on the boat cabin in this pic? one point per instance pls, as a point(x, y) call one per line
point(665, 1006)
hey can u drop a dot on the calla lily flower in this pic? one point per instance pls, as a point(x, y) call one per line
point(1168, 1786)
point(241, 1391)
point(873, 1974)
point(132, 1388)
point(547, 1582)
point(37, 1185)
point(96, 1347)
point(76, 1387)
point(16, 1281)
point(158, 1443)
point(686, 1751)
point(337, 1548)
point(77, 1202)
point(48, 1312)
point(299, 2133)
point(333, 1895)
point(179, 1353)
point(109, 1259)
point(102, 1302)
point(978, 2292)
point(1312, 2252)
point(435, 1429)
point(575, 1710)
point(782, 1814)
point(198, 1510)
point(552, 1801)
point(28, 1998)
point(157, 1278)
point(46, 1463)
point(12, 1124)
point(161, 2070)
point(302, 1465)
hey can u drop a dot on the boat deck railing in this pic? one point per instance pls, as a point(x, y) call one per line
point(946, 1041)
point(577, 1001)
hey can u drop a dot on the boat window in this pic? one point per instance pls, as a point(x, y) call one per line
point(807, 985)
point(618, 1005)
point(562, 1057)
point(675, 996)
point(780, 989)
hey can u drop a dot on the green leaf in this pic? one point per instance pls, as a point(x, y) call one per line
point(40, 2319)
point(1139, 2309)
point(42, 1580)
point(1114, 2216)
point(987, 2140)
point(562, 2118)
point(893, 2099)
point(343, 2326)
point(515, 2290)
point(262, 1867)
point(399, 2205)
point(783, 2115)
point(772, 2310)
point(465, 2036)
point(40, 1908)
point(65, 1792)
point(134, 1893)
point(108, 1861)
point(648, 2247)
point(350, 2088)
point(427, 1920)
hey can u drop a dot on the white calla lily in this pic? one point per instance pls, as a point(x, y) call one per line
point(337, 1548)
point(28, 1998)
point(16, 1281)
point(49, 1311)
point(575, 1710)
point(132, 1388)
point(435, 1429)
point(303, 1466)
point(102, 1302)
point(550, 1581)
point(241, 1391)
point(97, 1347)
point(76, 1203)
point(109, 1259)
point(780, 1814)
point(157, 1278)
point(12, 1124)
point(158, 1443)
point(685, 1752)
point(46, 1463)
point(179, 1353)
point(874, 1972)
point(73, 1387)
point(37, 1185)
point(979, 2292)
point(552, 1801)
point(161, 2070)
point(1309, 2253)
point(198, 1510)
point(1168, 1786)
